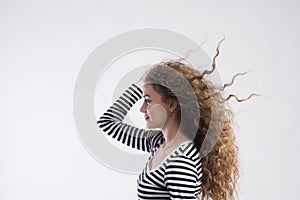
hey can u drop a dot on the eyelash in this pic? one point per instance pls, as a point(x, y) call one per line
point(147, 101)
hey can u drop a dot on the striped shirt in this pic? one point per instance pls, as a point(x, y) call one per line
point(179, 176)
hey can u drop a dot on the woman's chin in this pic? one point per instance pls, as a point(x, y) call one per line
point(150, 125)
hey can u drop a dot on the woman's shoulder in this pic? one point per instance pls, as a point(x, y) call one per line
point(187, 160)
point(187, 152)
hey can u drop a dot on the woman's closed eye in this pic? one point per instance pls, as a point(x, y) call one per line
point(147, 101)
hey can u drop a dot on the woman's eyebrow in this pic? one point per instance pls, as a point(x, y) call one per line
point(146, 95)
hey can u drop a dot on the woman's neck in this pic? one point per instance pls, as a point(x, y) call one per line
point(173, 135)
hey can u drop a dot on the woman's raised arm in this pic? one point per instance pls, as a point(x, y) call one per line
point(111, 122)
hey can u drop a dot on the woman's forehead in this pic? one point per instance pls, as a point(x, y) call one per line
point(148, 91)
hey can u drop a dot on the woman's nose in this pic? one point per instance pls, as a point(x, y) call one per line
point(143, 108)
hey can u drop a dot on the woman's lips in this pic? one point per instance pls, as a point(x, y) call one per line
point(147, 118)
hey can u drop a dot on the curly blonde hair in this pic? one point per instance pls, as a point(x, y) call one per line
point(217, 147)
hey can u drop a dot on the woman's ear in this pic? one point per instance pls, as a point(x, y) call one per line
point(172, 104)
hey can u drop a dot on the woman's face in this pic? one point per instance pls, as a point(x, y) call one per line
point(154, 109)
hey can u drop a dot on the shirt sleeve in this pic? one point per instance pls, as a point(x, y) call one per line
point(181, 178)
point(111, 123)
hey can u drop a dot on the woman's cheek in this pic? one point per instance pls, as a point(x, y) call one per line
point(158, 116)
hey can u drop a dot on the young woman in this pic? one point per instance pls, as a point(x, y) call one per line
point(189, 135)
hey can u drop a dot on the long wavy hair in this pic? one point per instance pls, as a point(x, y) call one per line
point(214, 138)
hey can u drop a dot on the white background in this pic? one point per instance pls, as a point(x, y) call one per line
point(44, 43)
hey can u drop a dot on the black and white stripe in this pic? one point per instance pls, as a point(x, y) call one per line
point(178, 177)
